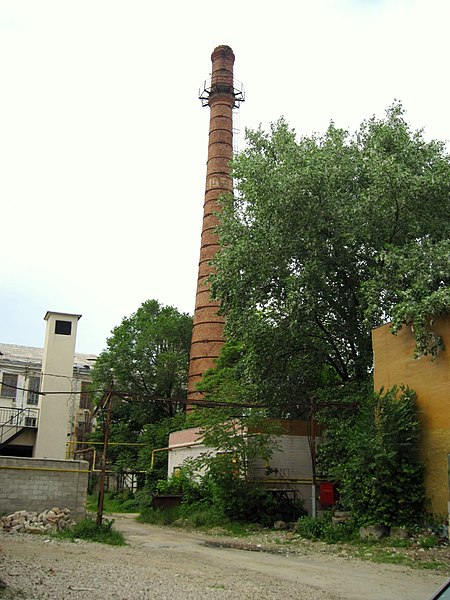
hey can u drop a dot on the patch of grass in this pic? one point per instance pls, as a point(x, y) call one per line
point(112, 504)
point(322, 528)
point(382, 555)
point(218, 586)
point(90, 531)
point(428, 541)
point(396, 542)
point(378, 554)
point(203, 518)
point(240, 530)
point(160, 517)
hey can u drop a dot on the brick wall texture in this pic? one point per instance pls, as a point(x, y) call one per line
point(207, 333)
point(39, 484)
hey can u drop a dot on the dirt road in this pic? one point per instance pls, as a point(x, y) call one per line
point(175, 565)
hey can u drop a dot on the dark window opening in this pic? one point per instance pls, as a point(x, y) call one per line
point(33, 389)
point(9, 385)
point(63, 327)
point(85, 396)
point(25, 451)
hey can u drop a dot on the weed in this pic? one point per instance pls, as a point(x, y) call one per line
point(323, 529)
point(218, 586)
point(160, 517)
point(396, 543)
point(90, 531)
point(310, 528)
point(428, 541)
point(238, 529)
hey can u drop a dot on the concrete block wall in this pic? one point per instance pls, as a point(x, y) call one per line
point(37, 484)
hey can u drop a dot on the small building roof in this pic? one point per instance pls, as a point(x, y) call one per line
point(31, 356)
point(61, 314)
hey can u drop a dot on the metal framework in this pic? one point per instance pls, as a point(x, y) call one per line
point(221, 87)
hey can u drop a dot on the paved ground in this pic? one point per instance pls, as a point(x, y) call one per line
point(174, 565)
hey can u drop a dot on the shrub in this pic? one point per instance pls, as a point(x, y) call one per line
point(87, 529)
point(372, 455)
point(323, 528)
point(310, 528)
point(160, 517)
point(242, 501)
point(183, 483)
point(222, 495)
point(428, 541)
point(143, 498)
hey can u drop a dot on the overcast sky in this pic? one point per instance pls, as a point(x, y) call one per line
point(103, 141)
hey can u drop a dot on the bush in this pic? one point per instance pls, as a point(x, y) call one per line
point(310, 528)
point(160, 517)
point(87, 529)
point(202, 515)
point(323, 529)
point(428, 541)
point(372, 454)
point(143, 499)
point(241, 501)
point(222, 496)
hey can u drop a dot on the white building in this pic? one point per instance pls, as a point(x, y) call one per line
point(44, 397)
point(289, 470)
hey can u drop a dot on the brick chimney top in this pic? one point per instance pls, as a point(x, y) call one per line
point(222, 50)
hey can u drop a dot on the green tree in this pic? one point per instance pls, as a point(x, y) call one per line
point(234, 426)
point(313, 228)
point(413, 286)
point(237, 436)
point(147, 358)
point(372, 455)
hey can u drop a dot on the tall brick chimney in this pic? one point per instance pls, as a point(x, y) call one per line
point(221, 95)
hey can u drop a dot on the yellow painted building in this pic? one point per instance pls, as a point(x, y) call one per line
point(394, 364)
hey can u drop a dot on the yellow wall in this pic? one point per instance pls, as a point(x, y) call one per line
point(394, 364)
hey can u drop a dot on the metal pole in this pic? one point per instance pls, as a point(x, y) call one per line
point(101, 486)
point(313, 458)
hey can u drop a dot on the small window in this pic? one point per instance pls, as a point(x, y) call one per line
point(33, 389)
point(63, 327)
point(9, 385)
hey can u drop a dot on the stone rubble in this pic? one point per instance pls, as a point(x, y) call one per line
point(23, 521)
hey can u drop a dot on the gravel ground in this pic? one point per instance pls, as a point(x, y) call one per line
point(40, 570)
point(170, 564)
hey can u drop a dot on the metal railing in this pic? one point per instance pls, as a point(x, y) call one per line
point(13, 420)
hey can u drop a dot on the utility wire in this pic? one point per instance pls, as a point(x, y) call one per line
point(15, 387)
point(199, 403)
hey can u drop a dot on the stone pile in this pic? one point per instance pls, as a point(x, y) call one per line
point(24, 521)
